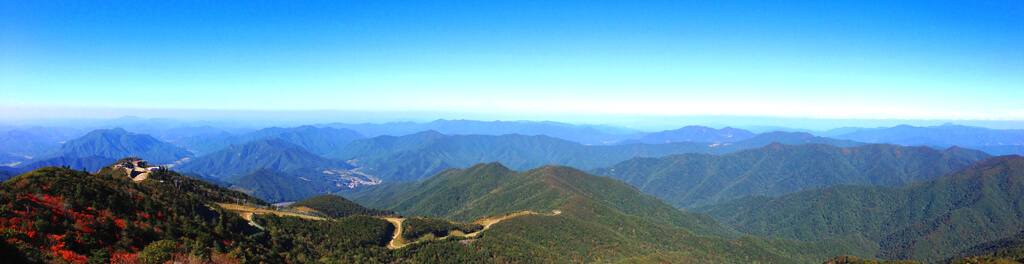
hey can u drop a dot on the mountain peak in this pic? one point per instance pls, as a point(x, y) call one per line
point(116, 131)
point(117, 143)
point(429, 132)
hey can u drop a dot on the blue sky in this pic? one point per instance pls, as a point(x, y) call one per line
point(827, 59)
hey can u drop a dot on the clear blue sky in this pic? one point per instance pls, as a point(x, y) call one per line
point(831, 59)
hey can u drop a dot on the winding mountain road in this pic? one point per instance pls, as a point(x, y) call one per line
point(486, 222)
point(398, 231)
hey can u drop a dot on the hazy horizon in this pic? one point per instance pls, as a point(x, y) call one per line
point(644, 123)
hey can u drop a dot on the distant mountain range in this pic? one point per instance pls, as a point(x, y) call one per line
point(695, 134)
point(992, 141)
point(8, 159)
point(35, 141)
point(586, 134)
point(318, 141)
point(689, 180)
point(928, 221)
point(118, 143)
point(7, 173)
point(423, 154)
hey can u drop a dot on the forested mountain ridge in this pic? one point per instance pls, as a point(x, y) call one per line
point(117, 143)
point(927, 221)
point(688, 180)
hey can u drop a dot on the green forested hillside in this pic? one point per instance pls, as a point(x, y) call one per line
point(338, 207)
point(494, 190)
point(416, 227)
point(600, 219)
point(689, 180)
point(354, 239)
point(118, 143)
point(421, 155)
point(59, 215)
point(1005, 249)
point(926, 221)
